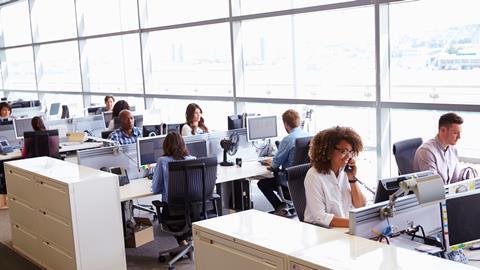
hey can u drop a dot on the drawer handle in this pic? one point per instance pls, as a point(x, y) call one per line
point(16, 226)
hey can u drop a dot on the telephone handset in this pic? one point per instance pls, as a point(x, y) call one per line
point(348, 168)
point(5, 147)
point(121, 172)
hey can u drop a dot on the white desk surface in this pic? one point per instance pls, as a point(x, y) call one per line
point(316, 247)
point(139, 188)
point(70, 147)
point(17, 153)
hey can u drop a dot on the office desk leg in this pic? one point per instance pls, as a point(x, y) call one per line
point(234, 195)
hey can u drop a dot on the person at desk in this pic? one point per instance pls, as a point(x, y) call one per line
point(117, 108)
point(174, 148)
point(109, 101)
point(283, 158)
point(331, 187)
point(439, 154)
point(195, 122)
point(5, 111)
point(127, 133)
point(37, 125)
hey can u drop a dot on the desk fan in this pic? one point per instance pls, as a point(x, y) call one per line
point(229, 146)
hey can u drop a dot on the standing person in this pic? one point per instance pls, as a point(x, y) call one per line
point(174, 148)
point(127, 133)
point(109, 101)
point(282, 159)
point(117, 108)
point(5, 111)
point(194, 121)
point(439, 154)
point(330, 190)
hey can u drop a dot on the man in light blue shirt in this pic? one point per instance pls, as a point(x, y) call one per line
point(282, 159)
point(127, 133)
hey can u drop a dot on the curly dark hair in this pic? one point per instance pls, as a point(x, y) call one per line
point(174, 146)
point(323, 145)
point(119, 106)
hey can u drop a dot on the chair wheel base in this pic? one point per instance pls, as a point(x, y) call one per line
point(171, 268)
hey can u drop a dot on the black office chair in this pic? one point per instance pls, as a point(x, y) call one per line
point(295, 178)
point(404, 152)
point(300, 156)
point(190, 198)
point(41, 143)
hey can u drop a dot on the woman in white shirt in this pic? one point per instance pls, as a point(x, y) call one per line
point(195, 123)
point(331, 191)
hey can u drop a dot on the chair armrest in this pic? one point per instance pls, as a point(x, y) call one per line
point(162, 209)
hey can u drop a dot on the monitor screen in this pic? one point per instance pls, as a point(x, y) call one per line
point(21, 126)
point(461, 218)
point(107, 116)
point(234, 121)
point(197, 149)
point(93, 125)
point(54, 109)
point(388, 186)
point(261, 127)
point(152, 130)
point(149, 149)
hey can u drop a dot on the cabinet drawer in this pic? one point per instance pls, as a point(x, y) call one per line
point(20, 184)
point(54, 257)
point(56, 230)
point(231, 255)
point(26, 242)
point(22, 213)
point(53, 197)
point(296, 266)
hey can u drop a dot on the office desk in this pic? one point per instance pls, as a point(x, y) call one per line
point(17, 153)
point(259, 241)
point(139, 188)
point(72, 147)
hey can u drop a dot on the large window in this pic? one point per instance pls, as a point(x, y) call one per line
point(17, 69)
point(435, 52)
point(53, 19)
point(188, 61)
point(15, 25)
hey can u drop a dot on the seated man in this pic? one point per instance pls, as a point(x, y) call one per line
point(283, 159)
point(439, 154)
point(127, 133)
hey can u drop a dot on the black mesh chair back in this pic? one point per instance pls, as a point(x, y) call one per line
point(42, 143)
point(300, 154)
point(404, 152)
point(295, 178)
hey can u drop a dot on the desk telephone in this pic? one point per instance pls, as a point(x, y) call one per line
point(5, 147)
point(121, 172)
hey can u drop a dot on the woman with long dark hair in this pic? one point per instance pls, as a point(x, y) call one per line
point(195, 124)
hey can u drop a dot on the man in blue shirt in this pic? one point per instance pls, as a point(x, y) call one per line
point(282, 159)
point(127, 133)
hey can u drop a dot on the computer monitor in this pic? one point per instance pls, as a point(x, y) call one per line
point(235, 121)
point(152, 130)
point(261, 127)
point(461, 219)
point(173, 127)
point(107, 116)
point(197, 149)
point(54, 109)
point(41, 143)
point(6, 121)
point(149, 149)
point(388, 186)
point(22, 125)
point(93, 110)
point(93, 125)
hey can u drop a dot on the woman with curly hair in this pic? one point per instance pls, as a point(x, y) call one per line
point(330, 190)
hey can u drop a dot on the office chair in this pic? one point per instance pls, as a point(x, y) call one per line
point(295, 178)
point(190, 198)
point(404, 152)
point(106, 133)
point(300, 156)
point(65, 112)
point(41, 143)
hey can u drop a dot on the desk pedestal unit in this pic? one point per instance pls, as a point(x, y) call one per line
point(65, 216)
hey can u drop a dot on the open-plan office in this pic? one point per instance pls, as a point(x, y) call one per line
point(386, 68)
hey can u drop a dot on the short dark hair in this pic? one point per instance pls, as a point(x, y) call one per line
point(107, 97)
point(291, 118)
point(5, 105)
point(448, 119)
point(323, 144)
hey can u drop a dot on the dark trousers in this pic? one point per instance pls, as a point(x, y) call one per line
point(269, 186)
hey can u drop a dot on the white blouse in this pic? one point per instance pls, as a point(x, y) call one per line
point(187, 130)
point(327, 196)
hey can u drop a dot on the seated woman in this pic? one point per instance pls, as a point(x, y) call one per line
point(37, 125)
point(174, 148)
point(5, 111)
point(109, 101)
point(330, 190)
point(194, 121)
point(117, 108)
